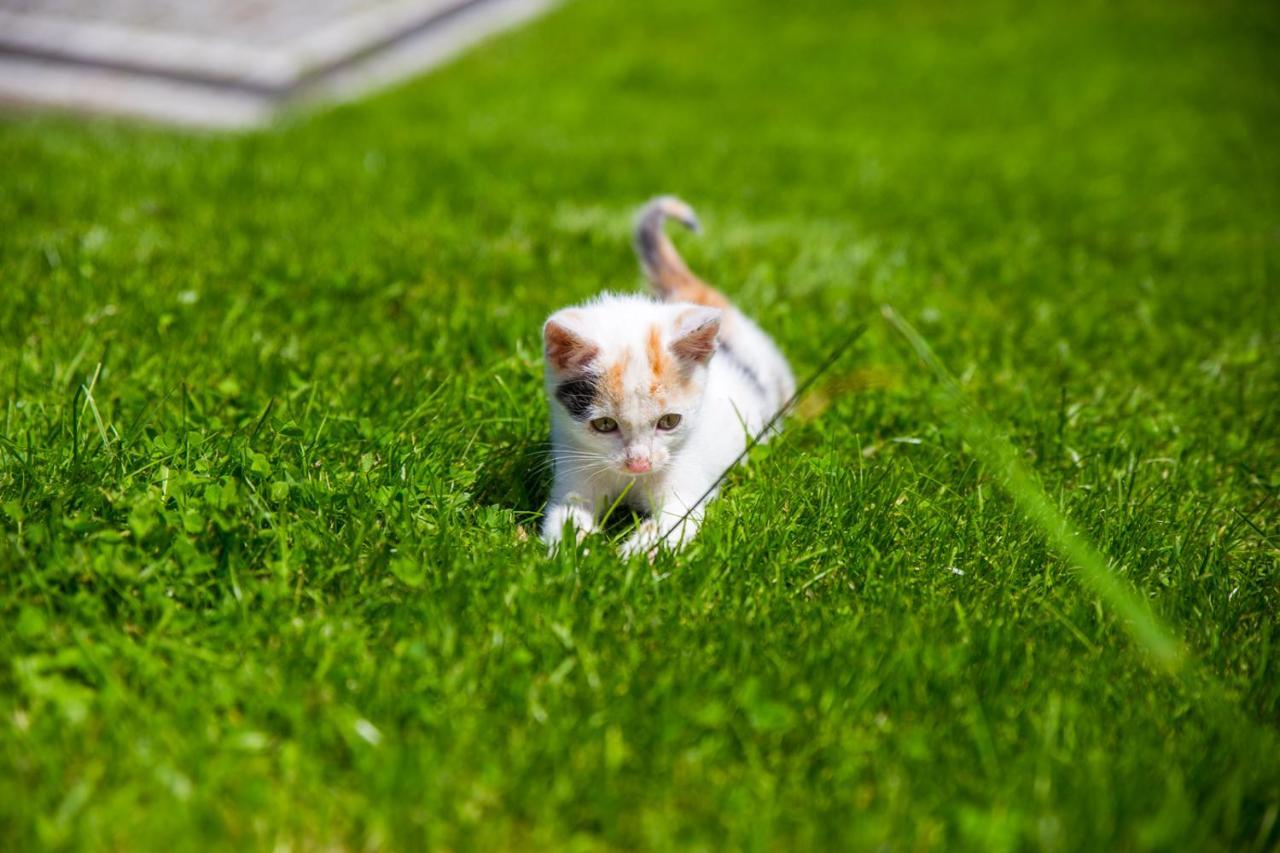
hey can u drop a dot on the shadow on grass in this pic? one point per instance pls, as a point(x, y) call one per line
point(518, 477)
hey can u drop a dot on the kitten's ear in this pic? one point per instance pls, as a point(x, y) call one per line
point(697, 335)
point(566, 350)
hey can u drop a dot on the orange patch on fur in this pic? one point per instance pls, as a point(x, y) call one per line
point(613, 376)
point(658, 359)
point(666, 374)
point(567, 351)
point(700, 293)
point(699, 344)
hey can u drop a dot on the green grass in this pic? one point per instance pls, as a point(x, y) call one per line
point(272, 425)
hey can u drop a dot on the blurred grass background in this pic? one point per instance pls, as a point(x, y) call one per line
point(273, 420)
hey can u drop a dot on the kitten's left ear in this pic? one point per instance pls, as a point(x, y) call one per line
point(566, 350)
point(697, 334)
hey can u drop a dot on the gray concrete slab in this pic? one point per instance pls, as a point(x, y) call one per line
point(231, 63)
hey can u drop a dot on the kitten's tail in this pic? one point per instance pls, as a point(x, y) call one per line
point(662, 264)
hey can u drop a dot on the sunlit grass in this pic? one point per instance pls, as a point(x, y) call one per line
point(272, 446)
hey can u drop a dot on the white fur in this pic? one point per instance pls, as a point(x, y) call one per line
point(724, 409)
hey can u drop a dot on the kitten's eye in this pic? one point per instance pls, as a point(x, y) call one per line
point(670, 421)
point(604, 425)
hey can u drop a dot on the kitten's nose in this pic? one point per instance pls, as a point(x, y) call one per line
point(638, 466)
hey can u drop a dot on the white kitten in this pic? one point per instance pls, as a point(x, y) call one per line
point(652, 400)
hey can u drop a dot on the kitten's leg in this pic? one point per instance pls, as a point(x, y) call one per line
point(680, 527)
point(673, 523)
point(669, 532)
point(643, 540)
point(573, 508)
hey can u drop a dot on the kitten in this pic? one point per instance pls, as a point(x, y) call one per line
point(652, 399)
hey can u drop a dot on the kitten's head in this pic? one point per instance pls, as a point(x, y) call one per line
point(626, 376)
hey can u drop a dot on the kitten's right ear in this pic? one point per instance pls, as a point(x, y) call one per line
point(566, 350)
point(697, 331)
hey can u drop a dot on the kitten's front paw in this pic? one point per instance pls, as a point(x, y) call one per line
point(553, 541)
point(645, 540)
point(565, 517)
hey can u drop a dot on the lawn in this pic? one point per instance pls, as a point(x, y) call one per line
point(273, 426)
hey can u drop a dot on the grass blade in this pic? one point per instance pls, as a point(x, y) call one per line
point(998, 454)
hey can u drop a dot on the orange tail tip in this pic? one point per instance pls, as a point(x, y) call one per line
point(662, 264)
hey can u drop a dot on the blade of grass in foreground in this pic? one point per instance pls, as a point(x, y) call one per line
point(999, 455)
point(1256, 741)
